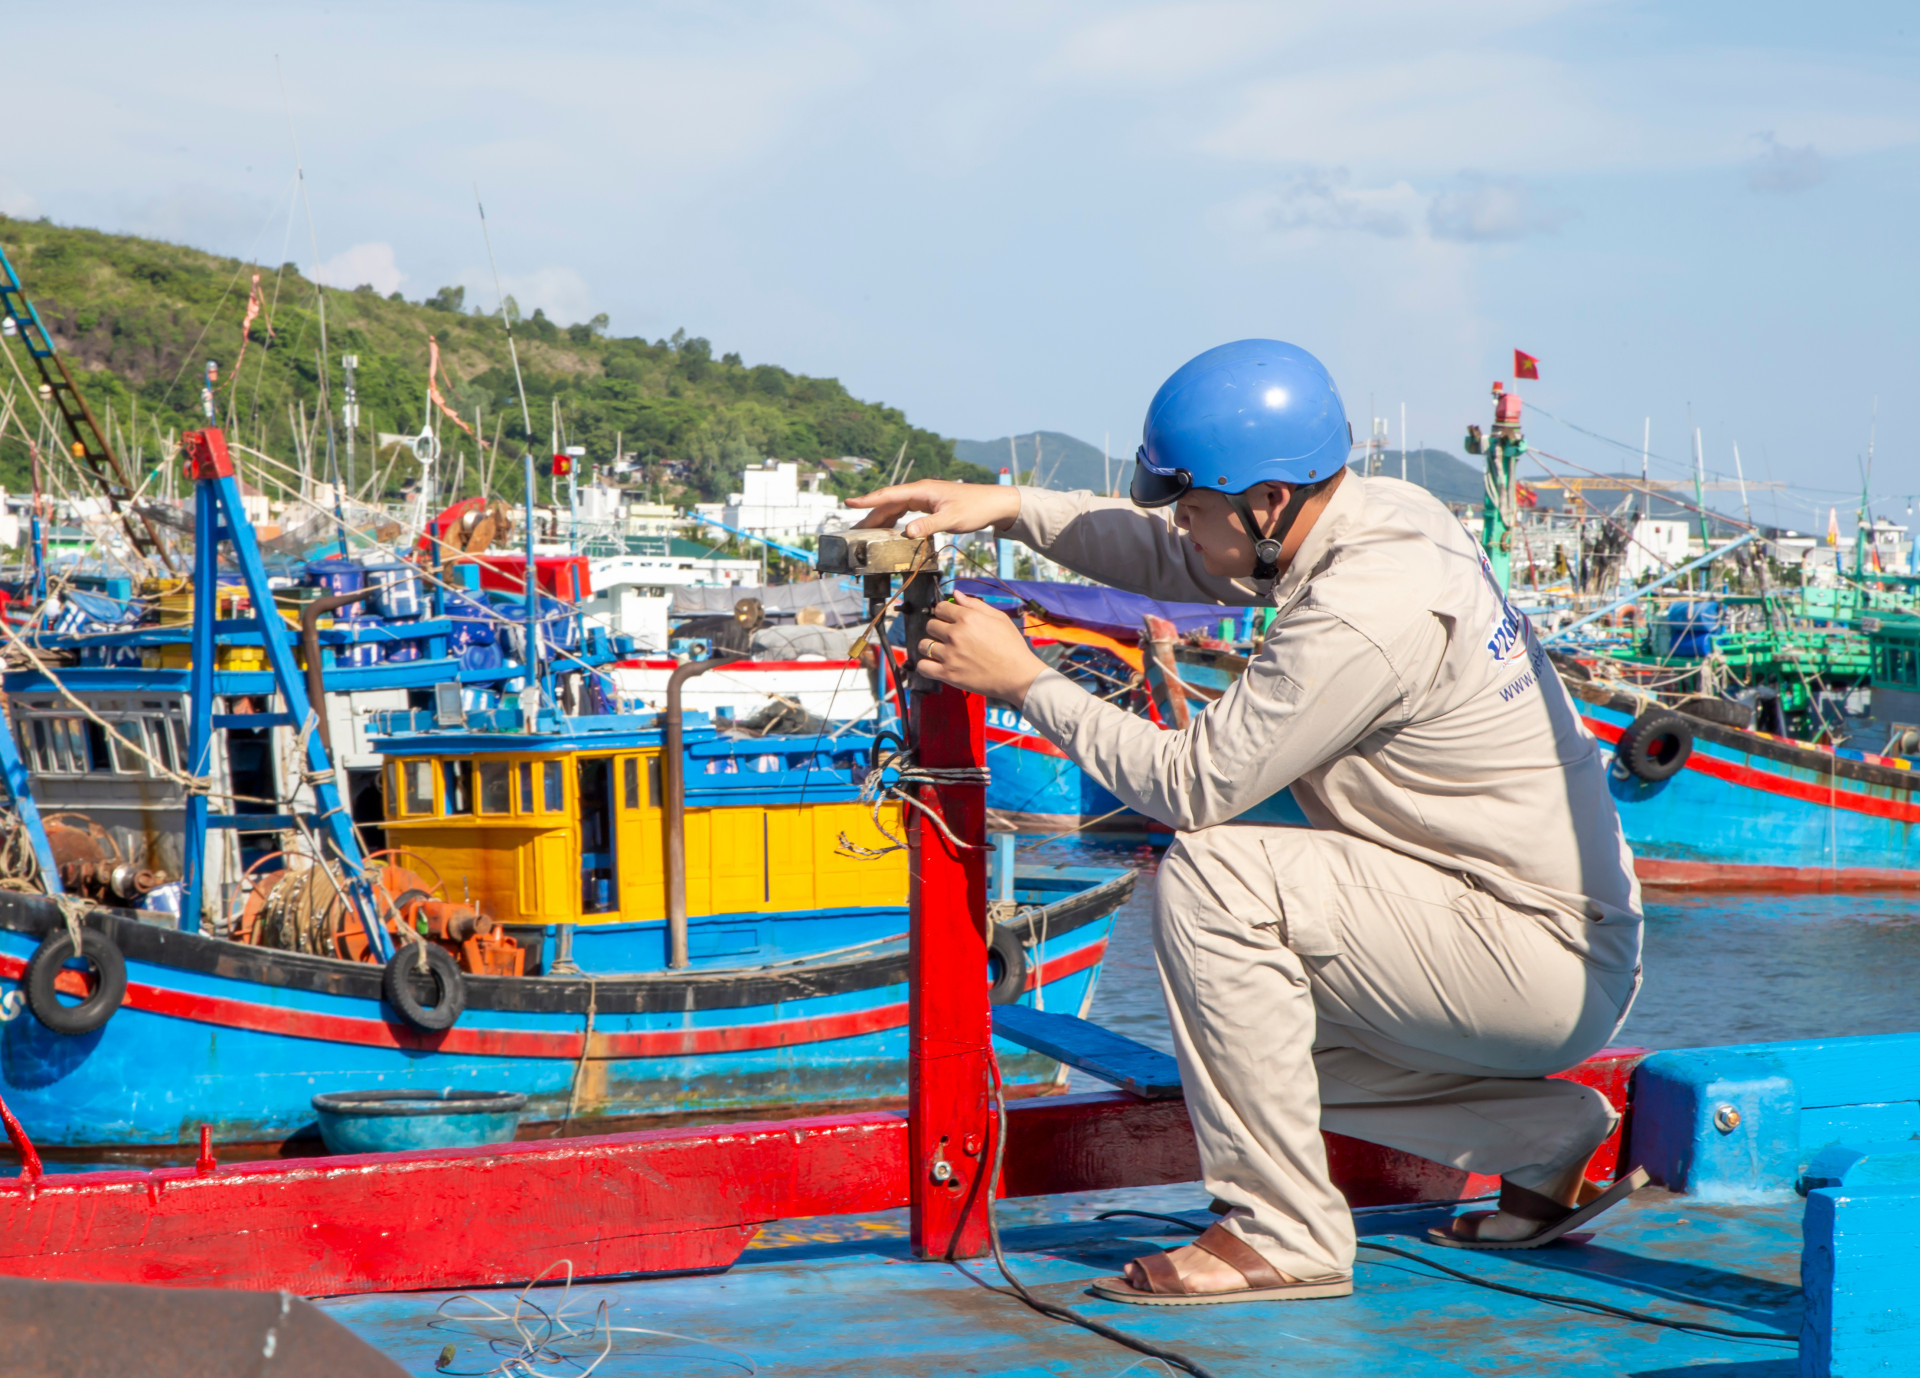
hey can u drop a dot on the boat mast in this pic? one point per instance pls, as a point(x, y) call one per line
point(1499, 513)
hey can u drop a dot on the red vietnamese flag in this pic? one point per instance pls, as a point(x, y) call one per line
point(1525, 365)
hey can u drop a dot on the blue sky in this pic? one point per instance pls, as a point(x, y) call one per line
point(1008, 216)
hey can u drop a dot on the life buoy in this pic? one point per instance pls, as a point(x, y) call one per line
point(1655, 746)
point(1006, 967)
point(51, 958)
point(408, 989)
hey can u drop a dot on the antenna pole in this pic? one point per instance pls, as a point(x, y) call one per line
point(500, 299)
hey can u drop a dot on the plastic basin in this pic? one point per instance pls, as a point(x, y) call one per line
point(394, 1121)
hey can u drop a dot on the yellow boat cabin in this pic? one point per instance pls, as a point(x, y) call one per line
point(571, 831)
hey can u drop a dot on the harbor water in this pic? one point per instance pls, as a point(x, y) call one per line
point(1720, 968)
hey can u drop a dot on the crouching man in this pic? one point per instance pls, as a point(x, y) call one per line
point(1461, 919)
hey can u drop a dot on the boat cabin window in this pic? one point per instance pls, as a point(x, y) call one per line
point(128, 734)
point(556, 787)
point(98, 758)
point(67, 746)
point(526, 787)
point(630, 778)
point(419, 778)
point(653, 781)
point(496, 787)
point(39, 751)
point(163, 730)
point(457, 796)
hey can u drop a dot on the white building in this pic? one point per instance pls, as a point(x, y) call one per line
point(653, 519)
point(1658, 544)
point(775, 501)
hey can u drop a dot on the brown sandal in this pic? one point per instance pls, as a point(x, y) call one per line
point(1165, 1286)
point(1554, 1219)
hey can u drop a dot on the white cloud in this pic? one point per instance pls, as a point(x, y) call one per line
point(362, 264)
point(1481, 209)
point(1327, 199)
point(1473, 209)
point(1784, 168)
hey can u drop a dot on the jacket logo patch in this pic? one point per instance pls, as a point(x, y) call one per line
point(1508, 638)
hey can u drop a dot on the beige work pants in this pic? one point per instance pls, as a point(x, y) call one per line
point(1316, 980)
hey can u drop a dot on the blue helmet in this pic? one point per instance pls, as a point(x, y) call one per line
point(1254, 411)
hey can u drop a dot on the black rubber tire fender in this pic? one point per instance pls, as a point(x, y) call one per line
point(1006, 967)
point(401, 979)
point(45, 966)
point(1656, 745)
point(1723, 712)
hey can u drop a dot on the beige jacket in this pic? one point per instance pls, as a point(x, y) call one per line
point(1398, 694)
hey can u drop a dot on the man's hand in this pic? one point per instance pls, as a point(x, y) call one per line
point(973, 645)
point(955, 507)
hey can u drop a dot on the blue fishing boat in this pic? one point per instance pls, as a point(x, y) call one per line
point(779, 1009)
point(1036, 787)
point(1706, 804)
point(617, 916)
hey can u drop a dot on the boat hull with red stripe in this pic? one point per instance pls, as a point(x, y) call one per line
point(1752, 811)
point(242, 1038)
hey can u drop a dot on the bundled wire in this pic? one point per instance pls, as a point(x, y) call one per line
point(876, 790)
point(531, 1341)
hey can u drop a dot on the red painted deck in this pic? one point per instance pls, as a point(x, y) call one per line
point(664, 1200)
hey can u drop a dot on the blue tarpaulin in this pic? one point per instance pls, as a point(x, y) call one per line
point(1099, 608)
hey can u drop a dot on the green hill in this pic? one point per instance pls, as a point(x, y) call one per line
point(138, 319)
point(1064, 462)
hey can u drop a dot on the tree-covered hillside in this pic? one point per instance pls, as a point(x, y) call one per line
point(138, 320)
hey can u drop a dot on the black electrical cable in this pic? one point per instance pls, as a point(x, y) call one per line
point(1044, 1307)
point(1643, 1317)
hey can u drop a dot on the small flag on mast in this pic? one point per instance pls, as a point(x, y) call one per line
point(1525, 365)
point(1833, 525)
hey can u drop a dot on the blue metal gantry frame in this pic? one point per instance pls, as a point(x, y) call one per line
point(219, 517)
point(89, 449)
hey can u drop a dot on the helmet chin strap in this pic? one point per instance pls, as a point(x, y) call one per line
point(1266, 549)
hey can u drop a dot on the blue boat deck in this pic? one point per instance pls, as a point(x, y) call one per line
point(845, 1296)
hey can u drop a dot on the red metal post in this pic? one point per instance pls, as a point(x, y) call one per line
point(950, 1025)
